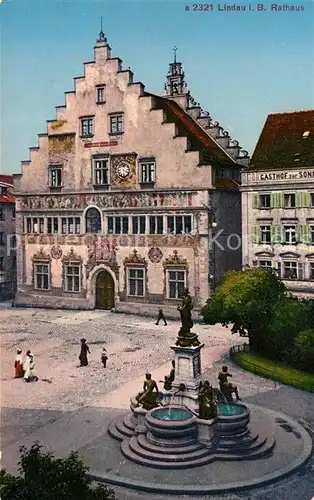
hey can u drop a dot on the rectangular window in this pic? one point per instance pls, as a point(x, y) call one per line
point(290, 234)
point(147, 172)
point(139, 224)
point(2, 238)
point(311, 271)
point(118, 225)
point(156, 224)
point(176, 284)
point(64, 225)
point(100, 94)
point(179, 224)
point(265, 236)
point(70, 225)
point(312, 235)
point(264, 201)
point(1, 263)
point(136, 282)
point(29, 225)
point(1, 214)
point(42, 276)
point(77, 222)
point(290, 270)
point(101, 171)
point(265, 263)
point(87, 127)
point(312, 199)
point(289, 200)
point(55, 177)
point(116, 123)
point(52, 225)
point(72, 278)
point(13, 213)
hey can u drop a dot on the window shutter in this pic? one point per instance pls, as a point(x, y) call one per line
point(281, 200)
point(300, 270)
point(299, 199)
point(255, 234)
point(306, 199)
point(255, 200)
point(273, 200)
point(303, 234)
point(276, 234)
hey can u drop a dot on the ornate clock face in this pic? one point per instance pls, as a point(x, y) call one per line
point(123, 170)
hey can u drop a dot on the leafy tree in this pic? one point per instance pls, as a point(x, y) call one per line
point(246, 299)
point(44, 477)
point(303, 353)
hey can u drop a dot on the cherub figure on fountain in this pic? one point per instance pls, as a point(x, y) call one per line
point(150, 394)
point(207, 403)
point(227, 388)
point(185, 337)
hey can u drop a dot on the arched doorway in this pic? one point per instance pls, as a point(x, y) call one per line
point(104, 291)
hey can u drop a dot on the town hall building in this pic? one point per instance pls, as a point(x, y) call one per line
point(119, 204)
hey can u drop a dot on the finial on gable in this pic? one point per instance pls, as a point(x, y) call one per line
point(102, 37)
point(175, 54)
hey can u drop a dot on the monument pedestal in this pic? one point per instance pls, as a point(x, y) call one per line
point(188, 372)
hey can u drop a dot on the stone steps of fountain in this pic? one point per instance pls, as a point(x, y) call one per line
point(160, 462)
point(122, 428)
point(147, 445)
point(129, 422)
point(248, 439)
point(114, 433)
point(168, 455)
point(264, 449)
point(241, 446)
point(120, 425)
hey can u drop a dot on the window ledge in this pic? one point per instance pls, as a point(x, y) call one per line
point(101, 186)
point(100, 102)
point(86, 136)
point(42, 290)
point(115, 133)
point(145, 185)
point(68, 291)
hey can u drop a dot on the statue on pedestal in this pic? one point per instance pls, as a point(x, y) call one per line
point(170, 378)
point(185, 337)
point(227, 389)
point(207, 403)
point(148, 397)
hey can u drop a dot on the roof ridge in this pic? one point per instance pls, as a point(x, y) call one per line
point(291, 112)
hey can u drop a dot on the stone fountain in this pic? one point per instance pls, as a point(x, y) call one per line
point(188, 424)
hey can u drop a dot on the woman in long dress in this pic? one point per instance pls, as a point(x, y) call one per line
point(18, 365)
point(83, 354)
point(29, 366)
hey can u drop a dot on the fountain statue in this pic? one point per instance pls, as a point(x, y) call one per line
point(185, 337)
point(149, 396)
point(227, 388)
point(170, 378)
point(207, 403)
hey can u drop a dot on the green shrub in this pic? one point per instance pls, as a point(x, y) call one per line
point(303, 352)
point(44, 477)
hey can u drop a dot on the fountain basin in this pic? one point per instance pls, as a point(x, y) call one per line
point(233, 418)
point(171, 422)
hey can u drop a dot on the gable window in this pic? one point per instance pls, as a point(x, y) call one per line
point(290, 270)
point(176, 283)
point(116, 123)
point(100, 94)
point(42, 276)
point(87, 126)
point(72, 278)
point(101, 171)
point(139, 224)
point(289, 200)
point(55, 177)
point(52, 225)
point(136, 282)
point(93, 221)
point(156, 224)
point(265, 234)
point(289, 234)
point(264, 201)
point(118, 225)
point(147, 172)
point(179, 224)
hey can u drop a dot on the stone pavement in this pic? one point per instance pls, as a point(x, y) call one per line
point(70, 407)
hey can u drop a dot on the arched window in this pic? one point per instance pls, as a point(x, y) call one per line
point(93, 221)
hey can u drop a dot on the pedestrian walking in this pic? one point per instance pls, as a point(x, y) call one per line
point(29, 367)
point(104, 357)
point(18, 365)
point(161, 316)
point(83, 354)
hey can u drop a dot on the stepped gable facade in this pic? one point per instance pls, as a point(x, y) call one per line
point(118, 204)
point(278, 198)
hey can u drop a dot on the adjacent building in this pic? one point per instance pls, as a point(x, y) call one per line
point(119, 202)
point(278, 201)
point(7, 239)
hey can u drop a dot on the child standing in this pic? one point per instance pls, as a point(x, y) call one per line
point(104, 357)
point(18, 365)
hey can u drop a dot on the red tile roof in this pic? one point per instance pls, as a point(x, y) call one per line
point(189, 127)
point(6, 181)
point(283, 143)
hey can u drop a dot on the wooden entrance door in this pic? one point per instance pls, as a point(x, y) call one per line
point(104, 291)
